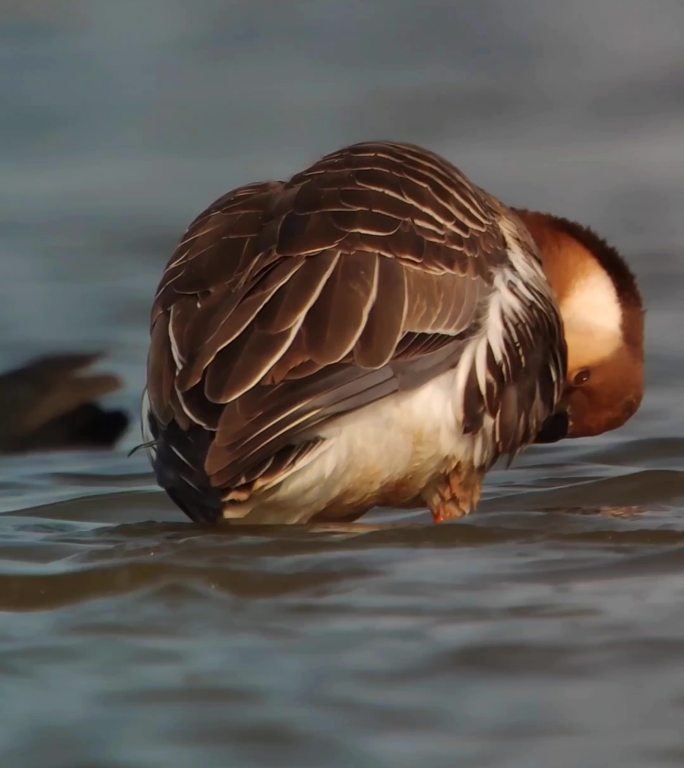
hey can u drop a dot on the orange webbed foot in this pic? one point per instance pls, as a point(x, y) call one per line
point(454, 495)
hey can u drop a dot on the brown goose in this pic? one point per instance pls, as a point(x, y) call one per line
point(377, 331)
point(50, 403)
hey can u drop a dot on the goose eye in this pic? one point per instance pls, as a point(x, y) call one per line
point(581, 377)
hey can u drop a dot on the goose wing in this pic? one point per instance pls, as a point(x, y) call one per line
point(289, 303)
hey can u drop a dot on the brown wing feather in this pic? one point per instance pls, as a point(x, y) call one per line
point(384, 325)
point(337, 319)
point(290, 303)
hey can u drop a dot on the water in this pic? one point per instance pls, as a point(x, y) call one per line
point(545, 630)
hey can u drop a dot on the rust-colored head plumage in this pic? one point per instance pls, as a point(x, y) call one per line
point(603, 320)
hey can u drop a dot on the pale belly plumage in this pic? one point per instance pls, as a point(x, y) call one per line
point(385, 454)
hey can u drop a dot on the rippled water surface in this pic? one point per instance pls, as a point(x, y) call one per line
point(546, 630)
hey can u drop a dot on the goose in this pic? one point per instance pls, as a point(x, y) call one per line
point(50, 403)
point(376, 332)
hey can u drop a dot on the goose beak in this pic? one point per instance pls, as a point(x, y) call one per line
point(555, 428)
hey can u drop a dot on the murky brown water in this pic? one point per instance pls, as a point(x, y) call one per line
point(547, 630)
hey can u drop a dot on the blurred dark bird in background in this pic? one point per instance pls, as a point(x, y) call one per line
point(49, 404)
